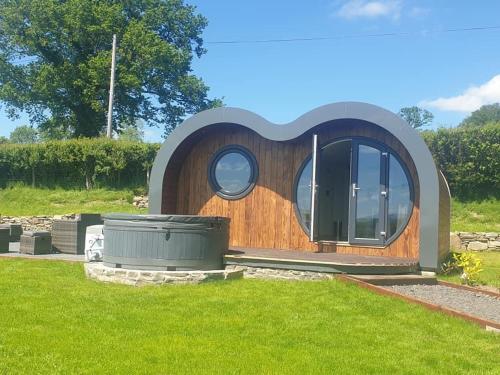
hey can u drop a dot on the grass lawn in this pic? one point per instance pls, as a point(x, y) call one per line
point(491, 269)
point(54, 321)
point(26, 201)
point(475, 216)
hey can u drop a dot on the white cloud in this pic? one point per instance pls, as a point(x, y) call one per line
point(370, 9)
point(472, 98)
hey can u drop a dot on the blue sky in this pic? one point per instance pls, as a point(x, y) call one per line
point(448, 73)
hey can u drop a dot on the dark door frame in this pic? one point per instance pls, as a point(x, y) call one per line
point(384, 148)
point(353, 194)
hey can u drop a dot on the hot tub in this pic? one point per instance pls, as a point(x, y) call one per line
point(165, 242)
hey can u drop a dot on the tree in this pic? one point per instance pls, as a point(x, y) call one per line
point(133, 132)
point(55, 61)
point(24, 134)
point(52, 132)
point(416, 117)
point(3, 140)
point(489, 113)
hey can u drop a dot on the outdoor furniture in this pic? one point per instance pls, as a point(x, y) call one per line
point(68, 236)
point(4, 239)
point(15, 231)
point(35, 243)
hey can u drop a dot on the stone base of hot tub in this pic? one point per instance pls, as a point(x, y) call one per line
point(100, 272)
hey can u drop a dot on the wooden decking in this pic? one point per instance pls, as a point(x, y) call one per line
point(320, 262)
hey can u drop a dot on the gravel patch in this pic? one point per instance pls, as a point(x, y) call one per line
point(473, 303)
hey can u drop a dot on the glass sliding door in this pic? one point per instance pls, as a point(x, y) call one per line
point(353, 190)
point(366, 224)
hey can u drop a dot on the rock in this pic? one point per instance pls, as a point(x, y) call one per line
point(494, 244)
point(140, 201)
point(467, 235)
point(455, 241)
point(477, 246)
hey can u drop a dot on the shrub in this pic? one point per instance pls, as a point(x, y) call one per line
point(469, 159)
point(78, 163)
point(467, 263)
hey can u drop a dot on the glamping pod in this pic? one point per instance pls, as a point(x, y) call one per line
point(347, 178)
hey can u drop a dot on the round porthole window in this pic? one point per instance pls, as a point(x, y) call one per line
point(233, 172)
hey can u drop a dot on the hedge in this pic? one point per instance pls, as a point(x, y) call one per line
point(77, 163)
point(469, 158)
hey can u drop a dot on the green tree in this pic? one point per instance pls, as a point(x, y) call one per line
point(52, 132)
point(133, 132)
point(55, 62)
point(489, 113)
point(24, 134)
point(415, 116)
point(3, 140)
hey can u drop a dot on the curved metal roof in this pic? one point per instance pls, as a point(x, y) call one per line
point(411, 140)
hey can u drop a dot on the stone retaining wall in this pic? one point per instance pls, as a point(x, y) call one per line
point(44, 222)
point(98, 271)
point(35, 223)
point(475, 241)
point(277, 274)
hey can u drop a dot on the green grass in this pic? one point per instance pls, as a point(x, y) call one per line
point(54, 321)
point(491, 270)
point(475, 216)
point(26, 201)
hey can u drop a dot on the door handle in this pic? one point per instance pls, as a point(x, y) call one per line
point(354, 189)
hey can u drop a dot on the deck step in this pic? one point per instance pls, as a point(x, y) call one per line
point(385, 280)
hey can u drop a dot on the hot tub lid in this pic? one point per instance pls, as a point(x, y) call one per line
point(188, 219)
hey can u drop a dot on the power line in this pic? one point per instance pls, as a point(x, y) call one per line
point(352, 36)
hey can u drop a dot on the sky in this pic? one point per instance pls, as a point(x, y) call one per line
point(448, 73)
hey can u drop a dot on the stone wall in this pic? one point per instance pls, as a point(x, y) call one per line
point(44, 222)
point(277, 274)
point(98, 271)
point(141, 201)
point(475, 241)
point(35, 223)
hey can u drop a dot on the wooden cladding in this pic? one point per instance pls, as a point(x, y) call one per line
point(266, 217)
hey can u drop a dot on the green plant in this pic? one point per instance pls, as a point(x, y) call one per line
point(469, 158)
point(55, 58)
point(78, 163)
point(490, 275)
point(468, 264)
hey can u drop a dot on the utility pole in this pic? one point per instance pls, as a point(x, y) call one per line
point(111, 88)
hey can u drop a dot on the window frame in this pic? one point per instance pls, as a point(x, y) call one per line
point(254, 171)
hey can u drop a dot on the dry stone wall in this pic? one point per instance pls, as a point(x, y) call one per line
point(44, 222)
point(35, 223)
point(141, 201)
point(475, 241)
